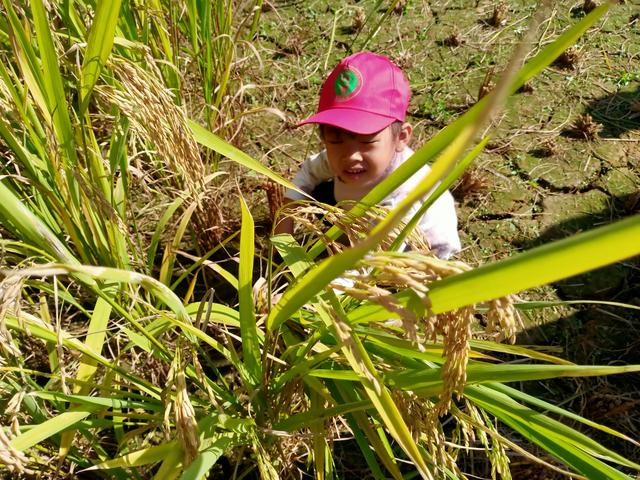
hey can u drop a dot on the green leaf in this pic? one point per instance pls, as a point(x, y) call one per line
point(545, 264)
point(155, 239)
point(442, 187)
point(481, 373)
point(15, 212)
point(292, 253)
point(208, 457)
point(98, 47)
point(248, 327)
point(138, 458)
point(215, 143)
point(169, 257)
point(52, 80)
point(571, 446)
point(52, 426)
point(546, 406)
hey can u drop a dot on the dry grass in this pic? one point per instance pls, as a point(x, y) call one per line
point(471, 184)
point(453, 40)
point(499, 16)
point(359, 19)
point(568, 59)
point(585, 127)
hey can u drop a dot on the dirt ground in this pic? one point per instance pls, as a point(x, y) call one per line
point(565, 156)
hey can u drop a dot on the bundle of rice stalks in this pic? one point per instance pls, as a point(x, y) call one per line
point(155, 117)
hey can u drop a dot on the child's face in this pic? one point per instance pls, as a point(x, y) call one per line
point(363, 160)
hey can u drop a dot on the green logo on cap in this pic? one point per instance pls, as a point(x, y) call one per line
point(347, 82)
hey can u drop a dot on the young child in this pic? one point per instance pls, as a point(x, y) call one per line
point(361, 116)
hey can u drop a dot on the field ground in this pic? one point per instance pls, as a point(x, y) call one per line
point(548, 172)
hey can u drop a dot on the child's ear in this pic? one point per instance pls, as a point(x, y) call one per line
point(404, 136)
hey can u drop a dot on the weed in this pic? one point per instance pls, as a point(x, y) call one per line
point(359, 19)
point(400, 7)
point(589, 5)
point(568, 59)
point(453, 40)
point(499, 16)
point(585, 127)
point(624, 78)
point(487, 85)
point(436, 110)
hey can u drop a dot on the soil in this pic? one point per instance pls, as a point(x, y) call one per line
point(543, 177)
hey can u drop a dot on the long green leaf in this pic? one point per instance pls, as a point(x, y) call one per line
point(98, 48)
point(208, 457)
point(248, 327)
point(545, 264)
point(210, 140)
point(546, 406)
point(56, 100)
point(481, 373)
point(51, 427)
point(14, 212)
point(96, 334)
point(573, 447)
point(138, 458)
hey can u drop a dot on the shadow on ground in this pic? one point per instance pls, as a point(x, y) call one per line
point(596, 334)
point(618, 112)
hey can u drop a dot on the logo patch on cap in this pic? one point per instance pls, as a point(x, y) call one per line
point(348, 84)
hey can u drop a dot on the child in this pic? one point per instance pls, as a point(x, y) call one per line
point(361, 116)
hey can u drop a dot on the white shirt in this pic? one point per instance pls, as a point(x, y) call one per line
point(439, 224)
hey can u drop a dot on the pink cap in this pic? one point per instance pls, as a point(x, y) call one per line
point(363, 94)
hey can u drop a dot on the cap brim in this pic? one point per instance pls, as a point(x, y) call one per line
point(351, 120)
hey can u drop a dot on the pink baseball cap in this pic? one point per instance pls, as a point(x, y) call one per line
point(363, 94)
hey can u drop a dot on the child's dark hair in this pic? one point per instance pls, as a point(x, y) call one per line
point(396, 128)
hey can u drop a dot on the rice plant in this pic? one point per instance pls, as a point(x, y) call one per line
point(106, 370)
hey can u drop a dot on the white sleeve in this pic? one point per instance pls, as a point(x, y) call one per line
point(440, 226)
point(313, 171)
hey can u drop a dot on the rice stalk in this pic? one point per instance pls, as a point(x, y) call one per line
point(185, 415)
point(14, 460)
point(378, 275)
point(10, 291)
point(424, 429)
point(150, 107)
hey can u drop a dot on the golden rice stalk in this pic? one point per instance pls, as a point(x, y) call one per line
point(502, 319)
point(381, 273)
point(344, 332)
point(154, 116)
point(12, 410)
point(424, 429)
point(275, 198)
point(476, 422)
point(10, 288)
point(186, 424)
point(14, 460)
point(456, 333)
